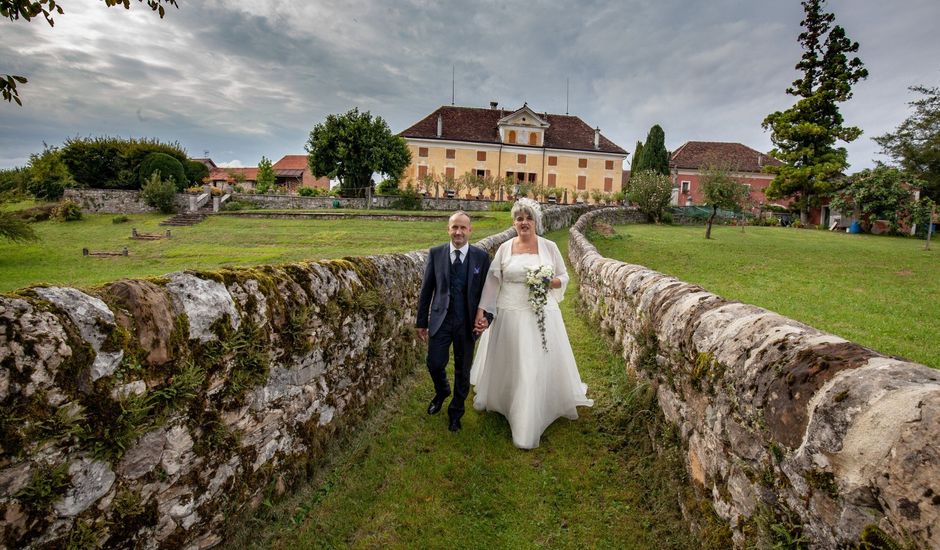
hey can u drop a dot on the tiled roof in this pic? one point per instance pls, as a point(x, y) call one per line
point(699, 154)
point(216, 174)
point(480, 125)
point(291, 162)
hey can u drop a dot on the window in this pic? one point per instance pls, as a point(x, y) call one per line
point(481, 173)
point(551, 180)
point(422, 151)
point(685, 186)
point(582, 163)
point(481, 156)
point(449, 171)
point(608, 165)
point(553, 161)
point(511, 137)
point(520, 159)
point(532, 177)
point(451, 153)
point(533, 139)
point(422, 171)
point(582, 183)
point(608, 184)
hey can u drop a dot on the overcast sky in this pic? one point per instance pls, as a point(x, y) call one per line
point(244, 78)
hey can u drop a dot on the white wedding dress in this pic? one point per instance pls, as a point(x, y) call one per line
point(512, 373)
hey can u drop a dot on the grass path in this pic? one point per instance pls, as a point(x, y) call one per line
point(406, 482)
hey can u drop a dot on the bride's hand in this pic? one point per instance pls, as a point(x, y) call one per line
point(556, 283)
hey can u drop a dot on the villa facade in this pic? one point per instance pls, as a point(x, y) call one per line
point(560, 151)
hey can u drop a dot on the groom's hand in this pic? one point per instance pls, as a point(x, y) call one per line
point(422, 334)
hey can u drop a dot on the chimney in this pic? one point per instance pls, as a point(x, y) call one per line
point(440, 124)
point(597, 137)
point(493, 104)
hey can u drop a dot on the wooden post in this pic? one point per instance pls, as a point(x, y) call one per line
point(167, 233)
point(124, 252)
point(133, 232)
point(84, 252)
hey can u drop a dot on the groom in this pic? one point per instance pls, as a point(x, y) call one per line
point(450, 293)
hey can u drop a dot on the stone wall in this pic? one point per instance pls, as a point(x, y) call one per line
point(149, 413)
point(117, 201)
point(784, 424)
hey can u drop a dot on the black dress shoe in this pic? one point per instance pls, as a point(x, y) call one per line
point(454, 425)
point(435, 406)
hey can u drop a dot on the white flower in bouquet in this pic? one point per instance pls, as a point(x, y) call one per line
point(537, 279)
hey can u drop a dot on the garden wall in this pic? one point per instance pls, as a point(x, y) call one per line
point(786, 427)
point(116, 201)
point(151, 413)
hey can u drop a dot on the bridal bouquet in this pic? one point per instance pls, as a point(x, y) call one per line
point(537, 279)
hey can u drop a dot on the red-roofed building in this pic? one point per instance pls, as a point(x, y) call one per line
point(560, 151)
point(293, 172)
point(689, 161)
point(246, 177)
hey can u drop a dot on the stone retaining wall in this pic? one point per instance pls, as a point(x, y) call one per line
point(117, 201)
point(783, 423)
point(149, 413)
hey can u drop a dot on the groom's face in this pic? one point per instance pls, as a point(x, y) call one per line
point(459, 229)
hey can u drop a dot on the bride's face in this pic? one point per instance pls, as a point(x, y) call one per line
point(524, 224)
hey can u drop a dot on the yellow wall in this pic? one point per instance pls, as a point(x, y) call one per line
point(567, 170)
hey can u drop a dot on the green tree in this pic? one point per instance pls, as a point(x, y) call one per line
point(168, 166)
point(196, 172)
point(651, 192)
point(805, 135)
point(353, 146)
point(266, 177)
point(159, 193)
point(47, 176)
point(653, 155)
point(880, 194)
point(26, 10)
point(12, 227)
point(915, 144)
point(636, 156)
point(721, 190)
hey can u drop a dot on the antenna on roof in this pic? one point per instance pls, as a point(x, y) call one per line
point(453, 83)
point(566, 96)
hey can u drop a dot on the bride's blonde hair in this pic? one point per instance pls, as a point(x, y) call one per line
point(531, 208)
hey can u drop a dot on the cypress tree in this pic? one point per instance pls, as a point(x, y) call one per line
point(654, 156)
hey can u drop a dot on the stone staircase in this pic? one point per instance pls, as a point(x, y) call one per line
point(184, 219)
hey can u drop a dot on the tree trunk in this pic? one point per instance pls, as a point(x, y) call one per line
point(708, 224)
point(804, 216)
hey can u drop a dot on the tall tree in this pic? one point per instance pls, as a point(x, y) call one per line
point(353, 146)
point(653, 155)
point(266, 176)
point(805, 135)
point(915, 144)
point(721, 190)
point(636, 156)
point(26, 10)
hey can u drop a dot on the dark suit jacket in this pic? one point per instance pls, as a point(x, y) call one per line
point(435, 287)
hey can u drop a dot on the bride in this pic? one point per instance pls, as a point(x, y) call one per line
point(529, 377)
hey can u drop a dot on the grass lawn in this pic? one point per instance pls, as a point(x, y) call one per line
point(219, 241)
point(882, 292)
point(406, 482)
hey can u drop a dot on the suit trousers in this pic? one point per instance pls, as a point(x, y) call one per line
point(457, 333)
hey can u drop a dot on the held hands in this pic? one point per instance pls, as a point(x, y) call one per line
point(553, 282)
point(480, 324)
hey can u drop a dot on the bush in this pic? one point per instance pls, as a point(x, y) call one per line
point(651, 192)
point(168, 167)
point(47, 176)
point(113, 163)
point(67, 211)
point(196, 172)
point(234, 205)
point(311, 192)
point(388, 187)
point(39, 213)
point(120, 219)
point(159, 193)
point(500, 206)
point(13, 180)
point(408, 199)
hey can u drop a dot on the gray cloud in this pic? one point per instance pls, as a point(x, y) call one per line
point(245, 78)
